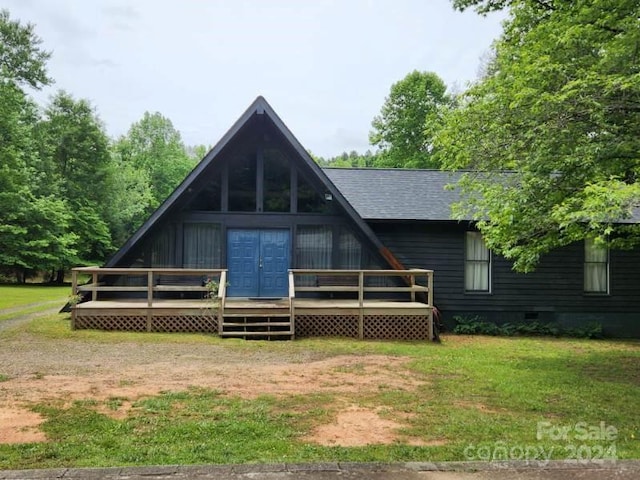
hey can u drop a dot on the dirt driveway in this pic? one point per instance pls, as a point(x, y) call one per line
point(38, 370)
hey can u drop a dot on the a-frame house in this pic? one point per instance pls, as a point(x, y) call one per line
point(256, 208)
point(300, 250)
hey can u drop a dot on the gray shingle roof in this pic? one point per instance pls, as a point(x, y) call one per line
point(396, 194)
point(400, 194)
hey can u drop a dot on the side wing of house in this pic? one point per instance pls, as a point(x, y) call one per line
point(575, 286)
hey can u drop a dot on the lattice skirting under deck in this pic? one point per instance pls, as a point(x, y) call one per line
point(397, 327)
point(138, 323)
point(327, 326)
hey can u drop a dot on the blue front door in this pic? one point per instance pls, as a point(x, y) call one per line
point(257, 261)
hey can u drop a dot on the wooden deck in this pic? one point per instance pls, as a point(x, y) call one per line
point(302, 306)
point(287, 317)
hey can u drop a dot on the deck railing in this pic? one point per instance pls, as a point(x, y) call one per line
point(151, 284)
point(416, 283)
point(363, 286)
point(334, 281)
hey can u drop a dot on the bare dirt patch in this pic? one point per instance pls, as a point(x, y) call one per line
point(19, 425)
point(359, 426)
point(116, 375)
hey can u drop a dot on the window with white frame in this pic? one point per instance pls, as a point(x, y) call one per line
point(596, 267)
point(477, 264)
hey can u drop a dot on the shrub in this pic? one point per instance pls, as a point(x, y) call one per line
point(477, 325)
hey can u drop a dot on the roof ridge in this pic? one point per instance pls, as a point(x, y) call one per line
point(389, 169)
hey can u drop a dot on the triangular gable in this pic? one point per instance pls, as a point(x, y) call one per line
point(259, 107)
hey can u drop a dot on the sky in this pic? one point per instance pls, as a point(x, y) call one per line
point(325, 66)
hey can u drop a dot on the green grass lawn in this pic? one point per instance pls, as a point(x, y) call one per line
point(12, 296)
point(480, 397)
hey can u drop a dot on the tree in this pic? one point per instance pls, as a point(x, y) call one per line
point(351, 159)
point(485, 6)
point(75, 147)
point(32, 226)
point(74, 154)
point(154, 146)
point(409, 117)
point(22, 61)
point(559, 110)
point(35, 235)
point(130, 198)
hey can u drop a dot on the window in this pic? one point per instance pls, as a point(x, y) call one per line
point(277, 182)
point(309, 200)
point(350, 250)
point(596, 267)
point(201, 248)
point(209, 196)
point(163, 248)
point(477, 264)
point(242, 183)
point(313, 246)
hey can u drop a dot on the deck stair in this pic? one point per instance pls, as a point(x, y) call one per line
point(257, 319)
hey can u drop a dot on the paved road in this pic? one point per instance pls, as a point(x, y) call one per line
point(557, 470)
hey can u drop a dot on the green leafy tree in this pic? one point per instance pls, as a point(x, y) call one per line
point(559, 109)
point(485, 6)
point(74, 153)
point(197, 152)
point(154, 146)
point(350, 159)
point(36, 236)
point(33, 225)
point(130, 201)
point(22, 61)
point(75, 146)
point(408, 120)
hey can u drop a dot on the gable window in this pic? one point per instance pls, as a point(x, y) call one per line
point(309, 200)
point(596, 267)
point(242, 183)
point(277, 182)
point(477, 264)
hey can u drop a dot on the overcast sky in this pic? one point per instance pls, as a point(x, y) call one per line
point(325, 66)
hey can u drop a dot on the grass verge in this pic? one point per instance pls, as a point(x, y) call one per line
point(12, 296)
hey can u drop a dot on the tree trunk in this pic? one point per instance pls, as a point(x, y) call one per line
point(60, 277)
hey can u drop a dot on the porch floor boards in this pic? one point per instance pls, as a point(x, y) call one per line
point(241, 304)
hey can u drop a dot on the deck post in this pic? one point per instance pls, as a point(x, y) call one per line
point(361, 304)
point(430, 302)
point(149, 300)
point(94, 281)
point(74, 292)
point(222, 300)
point(412, 283)
point(292, 310)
